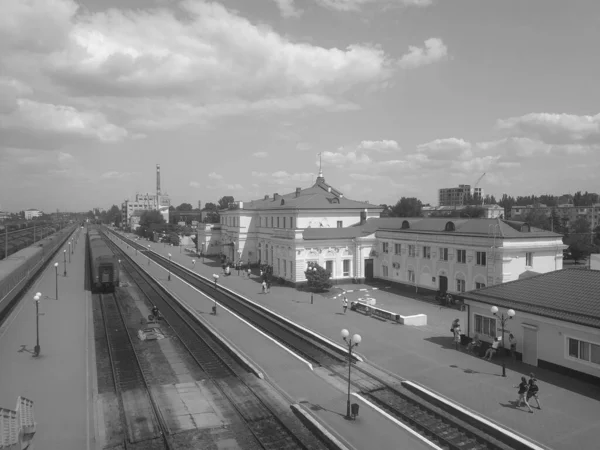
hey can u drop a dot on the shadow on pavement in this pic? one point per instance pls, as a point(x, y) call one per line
point(314, 407)
point(443, 341)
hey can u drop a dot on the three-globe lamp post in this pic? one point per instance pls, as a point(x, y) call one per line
point(503, 320)
point(351, 342)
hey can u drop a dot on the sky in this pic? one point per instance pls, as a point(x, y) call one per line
point(239, 97)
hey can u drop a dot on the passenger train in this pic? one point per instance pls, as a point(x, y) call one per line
point(104, 265)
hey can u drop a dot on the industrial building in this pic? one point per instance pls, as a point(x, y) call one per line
point(131, 210)
point(31, 213)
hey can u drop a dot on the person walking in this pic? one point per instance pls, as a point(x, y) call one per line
point(455, 323)
point(264, 287)
point(533, 390)
point(457, 332)
point(512, 340)
point(249, 271)
point(345, 304)
point(523, 389)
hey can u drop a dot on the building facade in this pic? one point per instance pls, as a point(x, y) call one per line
point(31, 213)
point(556, 322)
point(567, 213)
point(457, 196)
point(489, 211)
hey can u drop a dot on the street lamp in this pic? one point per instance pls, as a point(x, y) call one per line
point(169, 267)
point(214, 308)
point(56, 270)
point(503, 319)
point(148, 254)
point(65, 259)
point(69, 252)
point(352, 342)
point(73, 248)
point(36, 349)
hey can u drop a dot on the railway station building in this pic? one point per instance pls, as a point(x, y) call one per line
point(348, 238)
point(556, 321)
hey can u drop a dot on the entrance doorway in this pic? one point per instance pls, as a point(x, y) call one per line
point(369, 269)
point(443, 283)
point(530, 346)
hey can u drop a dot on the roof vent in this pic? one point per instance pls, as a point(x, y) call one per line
point(266, 197)
point(275, 195)
point(282, 201)
point(450, 226)
point(298, 191)
point(405, 224)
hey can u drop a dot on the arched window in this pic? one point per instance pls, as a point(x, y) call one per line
point(450, 226)
point(405, 225)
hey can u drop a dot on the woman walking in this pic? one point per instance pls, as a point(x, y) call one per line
point(533, 390)
point(345, 304)
point(512, 340)
point(523, 388)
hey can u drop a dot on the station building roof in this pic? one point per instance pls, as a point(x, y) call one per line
point(570, 295)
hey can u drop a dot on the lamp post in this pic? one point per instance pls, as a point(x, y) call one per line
point(56, 270)
point(148, 254)
point(503, 319)
point(65, 260)
point(73, 248)
point(69, 252)
point(169, 267)
point(311, 267)
point(214, 308)
point(36, 349)
point(351, 342)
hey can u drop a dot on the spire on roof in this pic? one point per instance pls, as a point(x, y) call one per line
point(320, 177)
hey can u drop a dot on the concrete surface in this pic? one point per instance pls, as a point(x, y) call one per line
point(426, 354)
point(59, 380)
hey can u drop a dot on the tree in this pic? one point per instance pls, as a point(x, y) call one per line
point(211, 207)
point(407, 207)
point(536, 217)
point(225, 201)
point(555, 222)
point(386, 211)
point(317, 278)
point(472, 211)
point(171, 208)
point(151, 217)
point(113, 215)
point(580, 250)
point(184, 207)
point(581, 226)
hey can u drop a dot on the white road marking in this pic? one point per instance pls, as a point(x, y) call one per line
point(397, 422)
point(243, 320)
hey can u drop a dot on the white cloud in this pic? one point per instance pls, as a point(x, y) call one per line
point(288, 9)
point(357, 5)
point(382, 145)
point(338, 159)
point(365, 177)
point(114, 175)
point(62, 156)
point(234, 187)
point(215, 176)
point(194, 184)
point(559, 129)
point(259, 174)
point(435, 50)
point(260, 154)
point(303, 146)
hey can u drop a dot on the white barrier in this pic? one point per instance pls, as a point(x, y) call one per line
point(416, 320)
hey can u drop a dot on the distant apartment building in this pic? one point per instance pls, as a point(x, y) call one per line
point(489, 211)
point(31, 213)
point(457, 196)
point(131, 210)
point(567, 213)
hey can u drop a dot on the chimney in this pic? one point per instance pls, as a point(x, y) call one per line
point(158, 179)
point(298, 192)
point(363, 217)
point(266, 197)
point(275, 195)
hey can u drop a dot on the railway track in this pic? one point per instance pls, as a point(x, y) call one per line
point(264, 425)
point(434, 423)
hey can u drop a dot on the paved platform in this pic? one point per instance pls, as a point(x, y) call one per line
point(426, 355)
point(59, 380)
point(321, 394)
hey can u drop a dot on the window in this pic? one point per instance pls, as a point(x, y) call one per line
point(426, 252)
point(460, 285)
point(385, 247)
point(529, 259)
point(583, 350)
point(385, 270)
point(291, 222)
point(271, 221)
point(278, 266)
point(291, 269)
point(485, 326)
point(339, 224)
point(411, 276)
point(461, 256)
point(284, 220)
point(411, 251)
point(479, 285)
point(346, 267)
point(482, 258)
point(443, 253)
point(277, 222)
point(284, 268)
point(329, 267)
point(397, 249)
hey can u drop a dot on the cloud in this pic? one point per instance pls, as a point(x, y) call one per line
point(115, 175)
point(259, 174)
point(260, 154)
point(382, 146)
point(339, 159)
point(435, 50)
point(215, 176)
point(234, 187)
point(194, 184)
point(446, 149)
point(303, 146)
point(357, 5)
point(559, 129)
point(282, 177)
point(365, 177)
point(62, 156)
point(288, 9)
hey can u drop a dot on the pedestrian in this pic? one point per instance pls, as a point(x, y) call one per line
point(474, 345)
point(261, 273)
point(264, 287)
point(249, 271)
point(490, 352)
point(512, 340)
point(523, 389)
point(455, 323)
point(533, 390)
point(227, 271)
point(345, 304)
point(268, 286)
point(457, 333)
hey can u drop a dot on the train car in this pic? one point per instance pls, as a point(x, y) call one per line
point(103, 264)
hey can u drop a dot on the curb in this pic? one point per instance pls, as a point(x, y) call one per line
point(317, 429)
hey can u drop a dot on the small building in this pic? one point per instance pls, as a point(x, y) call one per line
point(556, 322)
point(31, 213)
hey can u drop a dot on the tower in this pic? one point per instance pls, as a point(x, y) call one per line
point(158, 179)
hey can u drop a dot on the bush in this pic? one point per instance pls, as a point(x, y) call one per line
point(317, 278)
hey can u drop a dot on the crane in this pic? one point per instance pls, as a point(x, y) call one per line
point(477, 184)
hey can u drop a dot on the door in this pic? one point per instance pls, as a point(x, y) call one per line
point(443, 283)
point(368, 269)
point(530, 344)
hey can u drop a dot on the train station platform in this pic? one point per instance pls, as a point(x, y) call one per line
point(59, 380)
point(426, 355)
